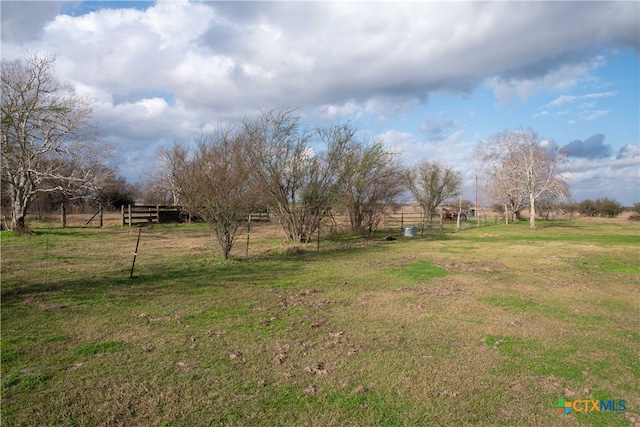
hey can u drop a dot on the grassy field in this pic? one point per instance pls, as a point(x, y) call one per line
point(487, 326)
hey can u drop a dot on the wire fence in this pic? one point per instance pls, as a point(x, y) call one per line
point(393, 222)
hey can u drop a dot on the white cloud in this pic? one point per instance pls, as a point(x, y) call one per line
point(592, 115)
point(452, 149)
point(570, 99)
point(562, 100)
point(435, 129)
point(617, 178)
point(586, 108)
point(338, 111)
point(630, 151)
point(505, 89)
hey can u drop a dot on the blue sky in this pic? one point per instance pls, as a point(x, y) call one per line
point(431, 79)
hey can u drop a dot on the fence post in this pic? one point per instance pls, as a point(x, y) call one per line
point(122, 215)
point(101, 215)
point(63, 215)
point(246, 254)
point(401, 221)
point(135, 254)
point(129, 208)
point(158, 213)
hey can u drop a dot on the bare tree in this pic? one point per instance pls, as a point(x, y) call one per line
point(300, 184)
point(216, 184)
point(169, 164)
point(431, 183)
point(47, 139)
point(503, 189)
point(369, 176)
point(521, 165)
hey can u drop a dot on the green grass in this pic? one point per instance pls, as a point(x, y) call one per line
point(421, 271)
point(630, 265)
point(485, 326)
point(91, 348)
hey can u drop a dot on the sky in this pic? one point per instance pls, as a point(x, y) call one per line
point(429, 79)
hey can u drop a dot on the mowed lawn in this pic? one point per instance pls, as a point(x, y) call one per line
point(486, 326)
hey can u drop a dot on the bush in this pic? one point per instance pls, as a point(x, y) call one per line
point(608, 207)
point(588, 207)
point(569, 207)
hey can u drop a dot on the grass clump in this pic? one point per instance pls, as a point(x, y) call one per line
point(421, 271)
point(609, 265)
point(510, 303)
point(91, 348)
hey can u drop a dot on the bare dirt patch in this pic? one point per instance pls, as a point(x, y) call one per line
point(302, 298)
point(34, 300)
point(54, 307)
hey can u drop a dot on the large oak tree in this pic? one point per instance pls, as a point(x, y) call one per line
point(48, 141)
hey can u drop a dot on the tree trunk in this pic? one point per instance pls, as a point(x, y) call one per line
point(506, 214)
point(18, 210)
point(532, 210)
point(17, 222)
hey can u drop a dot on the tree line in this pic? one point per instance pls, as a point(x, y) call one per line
point(304, 174)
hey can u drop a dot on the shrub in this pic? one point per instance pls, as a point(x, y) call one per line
point(608, 207)
point(588, 207)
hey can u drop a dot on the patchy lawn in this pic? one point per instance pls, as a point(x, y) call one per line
point(487, 326)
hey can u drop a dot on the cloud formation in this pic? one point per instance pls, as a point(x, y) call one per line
point(262, 53)
point(591, 148)
point(571, 99)
point(165, 70)
point(436, 130)
point(618, 179)
point(23, 21)
point(629, 151)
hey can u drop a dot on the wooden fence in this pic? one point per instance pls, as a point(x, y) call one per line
point(98, 216)
point(158, 214)
point(148, 214)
